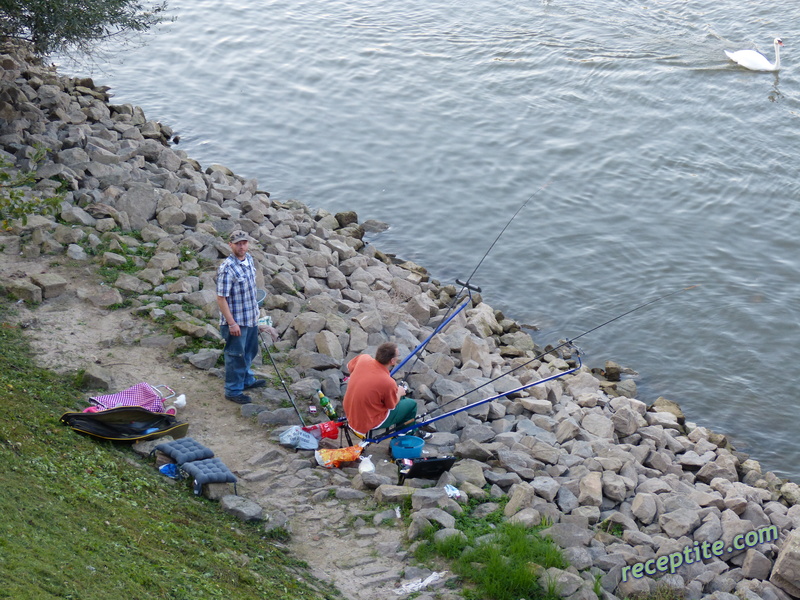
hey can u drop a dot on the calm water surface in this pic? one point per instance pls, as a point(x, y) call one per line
point(664, 165)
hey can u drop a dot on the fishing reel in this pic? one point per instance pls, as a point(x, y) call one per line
point(573, 354)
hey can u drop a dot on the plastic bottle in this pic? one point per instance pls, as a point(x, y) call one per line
point(327, 405)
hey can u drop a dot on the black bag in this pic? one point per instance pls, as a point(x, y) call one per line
point(424, 468)
point(125, 424)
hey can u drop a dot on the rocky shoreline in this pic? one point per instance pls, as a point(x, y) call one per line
point(580, 451)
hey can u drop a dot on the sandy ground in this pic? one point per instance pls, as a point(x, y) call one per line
point(336, 537)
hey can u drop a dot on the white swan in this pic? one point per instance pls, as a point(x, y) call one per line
point(755, 61)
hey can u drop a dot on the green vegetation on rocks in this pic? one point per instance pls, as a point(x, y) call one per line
point(18, 199)
point(497, 560)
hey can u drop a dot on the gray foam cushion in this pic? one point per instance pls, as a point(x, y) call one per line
point(185, 450)
point(210, 470)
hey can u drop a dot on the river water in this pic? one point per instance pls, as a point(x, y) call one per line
point(649, 162)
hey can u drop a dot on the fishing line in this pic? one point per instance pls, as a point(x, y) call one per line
point(568, 342)
point(465, 285)
point(499, 235)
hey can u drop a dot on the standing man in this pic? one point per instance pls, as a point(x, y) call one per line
point(238, 307)
point(373, 399)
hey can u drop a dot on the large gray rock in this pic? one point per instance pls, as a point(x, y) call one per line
point(393, 494)
point(315, 361)
point(644, 507)
point(634, 587)
point(566, 500)
point(422, 308)
point(786, 572)
point(542, 451)
point(76, 252)
point(78, 216)
point(482, 321)
point(546, 487)
point(566, 430)
point(537, 406)
point(582, 383)
point(568, 535)
point(370, 321)
point(439, 516)
point(527, 517)
point(96, 377)
point(477, 350)
point(591, 489)
point(129, 283)
point(724, 467)
point(139, 203)
point(679, 522)
point(614, 486)
point(328, 344)
point(242, 508)
point(308, 322)
point(733, 526)
point(471, 449)
point(566, 583)
point(791, 491)
point(449, 532)
point(469, 470)
point(52, 284)
point(164, 261)
point(518, 462)
point(756, 565)
point(626, 421)
point(427, 498)
point(598, 425)
point(205, 359)
point(522, 496)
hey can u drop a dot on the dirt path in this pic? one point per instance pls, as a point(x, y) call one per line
point(332, 528)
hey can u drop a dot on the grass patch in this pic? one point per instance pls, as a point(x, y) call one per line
point(615, 529)
point(84, 519)
point(497, 560)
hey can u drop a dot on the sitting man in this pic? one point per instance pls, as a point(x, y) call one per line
point(373, 399)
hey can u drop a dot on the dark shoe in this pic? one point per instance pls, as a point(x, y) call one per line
point(258, 383)
point(240, 399)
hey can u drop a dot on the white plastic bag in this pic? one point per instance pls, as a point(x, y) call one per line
point(295, 437)
point(366, 465)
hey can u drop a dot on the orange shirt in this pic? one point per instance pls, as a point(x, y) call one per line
point(371, 393)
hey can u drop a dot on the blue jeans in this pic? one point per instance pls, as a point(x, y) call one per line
point(239, 354)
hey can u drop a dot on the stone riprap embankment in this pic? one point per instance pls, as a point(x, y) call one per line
point(620, 482)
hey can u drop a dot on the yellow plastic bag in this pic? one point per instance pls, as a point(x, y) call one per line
point(330, 458)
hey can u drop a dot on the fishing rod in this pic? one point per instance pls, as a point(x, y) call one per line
point(568, 342)
point(441, 326)
point(465, 285)
point(473, 405)
point(286, 389)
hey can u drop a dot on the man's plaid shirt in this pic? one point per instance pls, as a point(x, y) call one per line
point(236, 282)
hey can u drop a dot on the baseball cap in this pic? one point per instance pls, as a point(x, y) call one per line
point(239, 236)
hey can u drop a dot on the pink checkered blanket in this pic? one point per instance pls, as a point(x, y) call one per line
point(142, 394)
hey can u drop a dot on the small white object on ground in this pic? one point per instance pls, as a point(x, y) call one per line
point(420, 584)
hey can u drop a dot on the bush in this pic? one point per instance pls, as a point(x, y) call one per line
point(16, 198)
point(62, 25)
